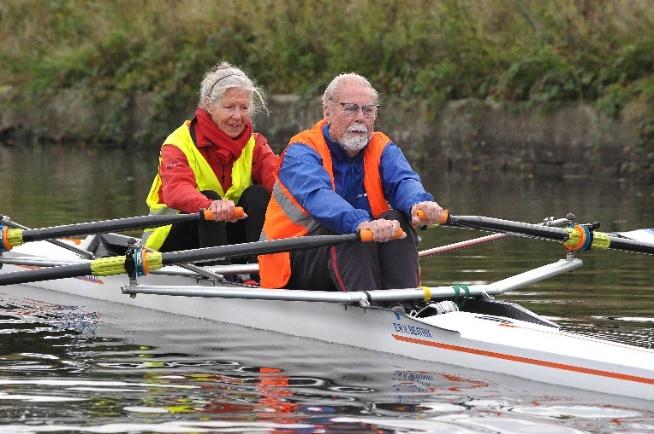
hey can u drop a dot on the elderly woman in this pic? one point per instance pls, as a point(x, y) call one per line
point(214, 161)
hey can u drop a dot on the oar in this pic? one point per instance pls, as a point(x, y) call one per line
point(143, 261)
point(10, 238)
point(578, 237)
point(646, 235)
point(485, 239)
point(6, 221)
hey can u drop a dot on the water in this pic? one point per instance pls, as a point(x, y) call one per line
point(69, 364)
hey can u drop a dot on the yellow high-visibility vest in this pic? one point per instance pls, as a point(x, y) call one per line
point(205, 178)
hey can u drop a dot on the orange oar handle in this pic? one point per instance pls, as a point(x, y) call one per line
point(442, 218)
point(366, 235)
point(209, 215)
point(238, 212)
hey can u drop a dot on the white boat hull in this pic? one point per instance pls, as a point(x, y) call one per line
point(484, 342)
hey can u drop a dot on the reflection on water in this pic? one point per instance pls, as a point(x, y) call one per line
point(68, 362)
point(132, 370)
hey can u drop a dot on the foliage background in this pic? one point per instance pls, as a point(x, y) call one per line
point(539, 52)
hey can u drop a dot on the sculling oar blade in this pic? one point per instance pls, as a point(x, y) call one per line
point(645, 235)
point(12, 237)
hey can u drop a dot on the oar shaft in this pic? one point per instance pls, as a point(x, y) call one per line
point(116, 225)
point(483, 240)
point(567, 236)
point(154, 260)
point(255, 248)
point(60, 272)
point(519, 228)
point(617, 243)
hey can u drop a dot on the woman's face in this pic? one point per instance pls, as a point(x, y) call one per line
point(232, 112)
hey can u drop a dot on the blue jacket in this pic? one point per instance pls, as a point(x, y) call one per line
point(343, 210)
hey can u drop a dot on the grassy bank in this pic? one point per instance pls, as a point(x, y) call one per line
point(535, 51)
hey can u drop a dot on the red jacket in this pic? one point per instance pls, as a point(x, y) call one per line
point(178, 189)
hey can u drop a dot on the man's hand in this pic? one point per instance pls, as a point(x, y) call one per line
point(431, 212)
point(382, 230)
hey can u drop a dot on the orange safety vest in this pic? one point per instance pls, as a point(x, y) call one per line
point(285, 217)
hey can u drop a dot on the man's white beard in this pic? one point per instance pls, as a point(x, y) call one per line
point(354, 143)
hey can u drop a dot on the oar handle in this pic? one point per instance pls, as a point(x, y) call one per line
point(366, 235)
point(209, 215)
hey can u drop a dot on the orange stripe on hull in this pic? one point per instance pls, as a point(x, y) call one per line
point(527, 360)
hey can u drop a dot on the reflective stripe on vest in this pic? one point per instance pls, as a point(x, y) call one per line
point(285, 217)
point(205, 178)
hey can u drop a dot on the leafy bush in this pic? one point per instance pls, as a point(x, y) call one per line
point(536, 51)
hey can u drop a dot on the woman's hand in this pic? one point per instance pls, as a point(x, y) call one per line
point(223, 210)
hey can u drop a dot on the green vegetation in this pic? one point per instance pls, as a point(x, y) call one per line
point(534, 51)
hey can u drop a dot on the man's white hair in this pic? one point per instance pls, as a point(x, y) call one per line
point(223, 76)
point(339, 81)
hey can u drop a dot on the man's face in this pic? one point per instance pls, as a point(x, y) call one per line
point(351, 116)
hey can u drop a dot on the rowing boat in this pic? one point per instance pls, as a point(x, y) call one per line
point(463, 325)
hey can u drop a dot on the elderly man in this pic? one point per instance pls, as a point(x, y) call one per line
point(340, 177)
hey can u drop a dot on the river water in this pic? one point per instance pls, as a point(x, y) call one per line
point(69, 364)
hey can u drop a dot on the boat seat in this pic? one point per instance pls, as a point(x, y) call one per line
point(103, 245)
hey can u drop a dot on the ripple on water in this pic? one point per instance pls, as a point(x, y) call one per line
point(581, 411)
point(139, 371)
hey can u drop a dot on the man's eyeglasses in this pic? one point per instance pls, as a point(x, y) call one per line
point(351, 109)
